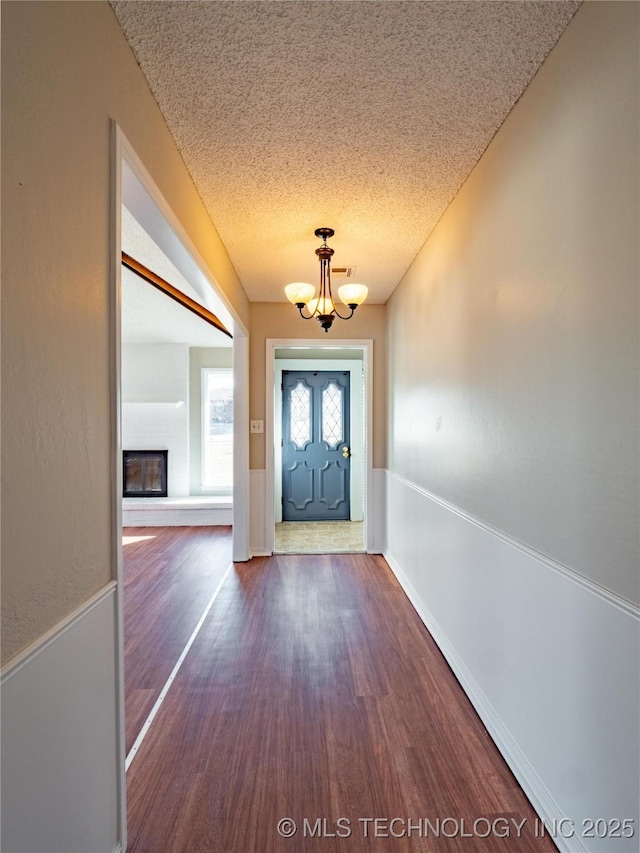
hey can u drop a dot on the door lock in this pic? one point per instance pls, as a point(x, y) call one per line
point(345, 452)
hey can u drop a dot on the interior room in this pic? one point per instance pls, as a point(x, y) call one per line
point(320, 426)
point(176, 369)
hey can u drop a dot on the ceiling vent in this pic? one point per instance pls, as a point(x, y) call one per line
point(343, 272)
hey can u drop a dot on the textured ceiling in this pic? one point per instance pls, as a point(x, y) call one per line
point(137, 243)
point(362, 116)
point(152, 317)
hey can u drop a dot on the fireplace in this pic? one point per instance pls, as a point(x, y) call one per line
point(144, 473)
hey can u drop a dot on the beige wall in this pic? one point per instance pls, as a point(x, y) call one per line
point(281, 320)
point(66, 71)
point(513, 337)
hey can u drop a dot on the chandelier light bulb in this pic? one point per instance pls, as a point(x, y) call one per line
point(322, 306)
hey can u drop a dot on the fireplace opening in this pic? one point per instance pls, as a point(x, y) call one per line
point(144, 473)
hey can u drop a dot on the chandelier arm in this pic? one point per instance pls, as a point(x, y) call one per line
point(349, 316)
point(300, 306)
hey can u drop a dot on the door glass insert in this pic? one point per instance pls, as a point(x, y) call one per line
point(300, 415)
point(332, 414)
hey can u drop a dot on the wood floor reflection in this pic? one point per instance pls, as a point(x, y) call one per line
point(313, 691)
point(169, 575)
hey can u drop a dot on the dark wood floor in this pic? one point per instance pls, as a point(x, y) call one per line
point(170, 574)
point(314, 691)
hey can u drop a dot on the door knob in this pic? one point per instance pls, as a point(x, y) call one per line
point(345, 452)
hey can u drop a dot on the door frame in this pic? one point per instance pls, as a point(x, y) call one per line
point(271, 413)
point(356, 402)
point(328, 373)
point(167, 231)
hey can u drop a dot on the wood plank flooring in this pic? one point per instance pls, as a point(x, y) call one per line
point(313, 691)
point(170, 574)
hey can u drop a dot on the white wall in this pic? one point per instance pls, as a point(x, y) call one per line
point(59, 751)
point(155, 377)
point(515, 332)
point(513, 379)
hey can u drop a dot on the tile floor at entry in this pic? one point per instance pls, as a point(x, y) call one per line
point(319, 537)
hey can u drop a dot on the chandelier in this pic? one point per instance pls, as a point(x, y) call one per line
point(322, 306)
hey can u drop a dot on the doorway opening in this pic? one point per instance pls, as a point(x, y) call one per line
point(159, 358)
point(319, 433)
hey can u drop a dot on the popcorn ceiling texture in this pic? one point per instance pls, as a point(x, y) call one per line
point(363, 116)
point(137, 243)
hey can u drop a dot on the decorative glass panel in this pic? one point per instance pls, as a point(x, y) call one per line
point(300, 427)
point(332, 414)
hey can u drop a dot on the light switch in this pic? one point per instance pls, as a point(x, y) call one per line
point(256, 426)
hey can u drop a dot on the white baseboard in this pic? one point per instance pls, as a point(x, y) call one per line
point(59, 737)
point(538, 795)
point(377, 520)
point(257, 513)
point(549, 659)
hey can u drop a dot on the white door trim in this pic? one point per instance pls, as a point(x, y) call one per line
point(167, 231)
point(149, 206)
point(117, 152)
point(272, 344)
point(354, 367)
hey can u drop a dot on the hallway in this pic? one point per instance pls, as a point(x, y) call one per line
point(312, 691)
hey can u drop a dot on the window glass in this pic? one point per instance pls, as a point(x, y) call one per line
point(217, 406)
point(300, 414)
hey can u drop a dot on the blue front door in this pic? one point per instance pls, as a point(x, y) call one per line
point(315, 445)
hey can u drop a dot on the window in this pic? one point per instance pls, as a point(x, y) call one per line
point(217, 429)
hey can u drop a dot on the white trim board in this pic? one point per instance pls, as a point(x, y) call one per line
point(59, 744)
point(550, 663)
point(612, 598)
point(378, 512)
point(25, 657)
point(530, 782)
point(118, 146)
point(257, 512)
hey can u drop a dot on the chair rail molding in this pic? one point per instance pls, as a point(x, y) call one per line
point(534, 645)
